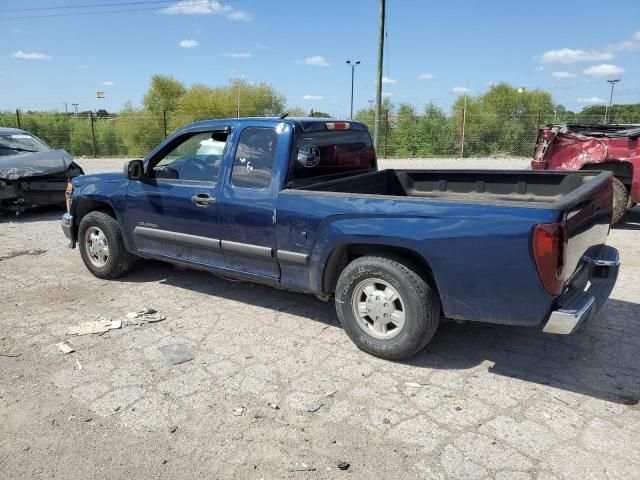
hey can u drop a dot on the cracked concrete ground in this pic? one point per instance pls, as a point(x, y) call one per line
point(482, 401)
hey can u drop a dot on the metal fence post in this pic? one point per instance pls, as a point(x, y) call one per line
point(93, 135)
point(386, 130)
point(164, 122)
point(18, 118)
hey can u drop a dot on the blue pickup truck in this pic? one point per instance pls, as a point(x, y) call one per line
point(300, 204)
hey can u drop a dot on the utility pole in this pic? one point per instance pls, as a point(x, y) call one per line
point(376, 130)
point(75, 106)
point(353, 66)
point(66, 108)
point(608, 109)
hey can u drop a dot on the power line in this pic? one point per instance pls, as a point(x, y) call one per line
point(61, 7)
point(103, 12)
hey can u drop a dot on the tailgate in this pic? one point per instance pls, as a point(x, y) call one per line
point(588, 217)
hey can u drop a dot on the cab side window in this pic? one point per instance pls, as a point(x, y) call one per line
point(254, 158)
point(197, 158)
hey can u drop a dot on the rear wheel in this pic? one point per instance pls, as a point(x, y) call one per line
point(620, 200)
point(386, 307)
point(101, 246)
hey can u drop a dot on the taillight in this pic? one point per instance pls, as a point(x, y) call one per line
point(549, 245)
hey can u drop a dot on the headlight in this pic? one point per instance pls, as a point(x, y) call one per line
point(67, 195)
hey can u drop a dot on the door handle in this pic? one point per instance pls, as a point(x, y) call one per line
point(203, 199)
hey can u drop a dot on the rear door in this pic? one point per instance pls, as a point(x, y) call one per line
point(173, 210)
point(247, 203)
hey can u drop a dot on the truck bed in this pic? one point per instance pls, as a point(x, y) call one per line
point(514, 188)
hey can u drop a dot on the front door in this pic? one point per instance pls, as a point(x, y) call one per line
point(173, 210)
point(248, 205)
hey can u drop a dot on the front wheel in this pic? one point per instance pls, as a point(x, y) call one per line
point(101, 246)
point(386, 307)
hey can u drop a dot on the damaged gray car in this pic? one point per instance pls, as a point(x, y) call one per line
point(31, 173)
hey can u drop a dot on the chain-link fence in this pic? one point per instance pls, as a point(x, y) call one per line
point(134, 134)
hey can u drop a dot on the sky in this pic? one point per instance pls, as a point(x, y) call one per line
point(434, 50)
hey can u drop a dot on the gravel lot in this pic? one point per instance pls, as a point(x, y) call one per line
point(481, 401)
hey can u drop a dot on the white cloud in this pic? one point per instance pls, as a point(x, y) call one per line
point(568, 55)
point(316, 61)
point(188, 43)
point(491, 84)
point(243, 55)
point(389, 81)
point(460, 90)
point(386, 94)
point(206, 7)
point(563, 75)
point(313, 97)
point(239, 16)
point(426, 76)
point(30, 55)
point(591, 100)
point(107, 84)
point(636, 36)
point(603, 70)
point(261, 46)
point(538, 68)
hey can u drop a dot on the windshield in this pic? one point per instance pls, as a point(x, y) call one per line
point(16, 143)
point(332, 152)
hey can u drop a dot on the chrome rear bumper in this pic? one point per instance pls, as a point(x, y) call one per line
point(589, 289)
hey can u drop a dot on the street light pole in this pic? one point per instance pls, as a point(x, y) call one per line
point(608, 109)
point(381, 29)
point(353, 66)
point(75, 107)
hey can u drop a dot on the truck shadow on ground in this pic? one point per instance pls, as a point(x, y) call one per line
point(630, 221)
point(600, 361)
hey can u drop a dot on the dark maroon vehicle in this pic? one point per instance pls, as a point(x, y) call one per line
point(613, 148)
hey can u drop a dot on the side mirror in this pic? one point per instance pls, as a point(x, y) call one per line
point(134, 169)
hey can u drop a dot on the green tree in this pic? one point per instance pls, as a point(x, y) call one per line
point(164, 94)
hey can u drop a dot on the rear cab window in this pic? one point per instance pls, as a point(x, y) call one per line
point(330, 153)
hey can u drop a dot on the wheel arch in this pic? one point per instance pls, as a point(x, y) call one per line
point(621, 169)
point(342, 255)
point(87, 205)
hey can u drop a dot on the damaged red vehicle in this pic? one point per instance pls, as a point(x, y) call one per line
point(613, 148)
point(31, 173)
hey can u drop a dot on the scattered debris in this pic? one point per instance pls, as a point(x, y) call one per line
point(9, 354)
point(146, 315)
point(458, 408)
point(331, 393)
point(274, 406)
point(172, 429)
point(238, 411)
point(79, 364)
point(301, 467)
point(71, 418)
point(88, 419)
point(99, 326)
point(314, 408)
point(386, 421)
point(344, 466)
point(413, 385)
point(64, 347)
point(176, 353)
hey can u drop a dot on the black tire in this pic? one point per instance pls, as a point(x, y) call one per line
point(620, 200)
point(418, 299)
point(119, 261)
